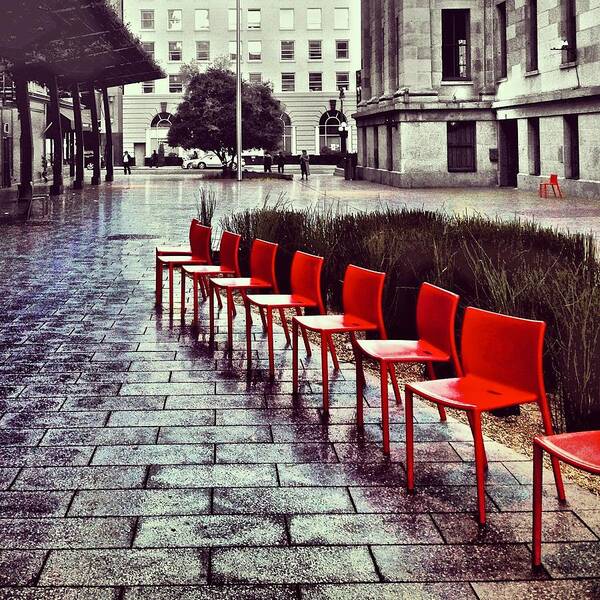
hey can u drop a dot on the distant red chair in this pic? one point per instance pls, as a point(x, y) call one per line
point(580, 450)
point(200, 236)
point(553, 183)
point(502, 366)
point(228, 266)
point(436, 313)
point(262, 276)
point(306, 293)
point(362, 294)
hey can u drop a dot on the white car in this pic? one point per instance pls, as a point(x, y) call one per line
point(206, 161)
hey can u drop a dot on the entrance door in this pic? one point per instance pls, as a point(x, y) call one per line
point(509, 152)
point(139, 152)
point(7, 161)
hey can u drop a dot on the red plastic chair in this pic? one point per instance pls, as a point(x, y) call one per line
point(200, 255)
point(553, 183)
point(262, 276)
point(172, 251)
point(229, 265)
point(436, 313)
point(502, 366)
point(306, 293)
point(361, 298)
point(580, 450)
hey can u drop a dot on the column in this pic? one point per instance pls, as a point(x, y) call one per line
point(79, 157)
point(95, 136)
point(57, 140)
point(367, 58)
point(108, 149)
point(26, 140)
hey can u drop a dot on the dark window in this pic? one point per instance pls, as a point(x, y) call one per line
point(455, 44)
point(461, 146)
point(376, 147)
point(501, 57)
point(571, 151)
point(570, 30)
point(390, 148)
point(533, 130)
point(532, 41)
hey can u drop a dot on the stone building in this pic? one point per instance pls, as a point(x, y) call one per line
point(481, 92)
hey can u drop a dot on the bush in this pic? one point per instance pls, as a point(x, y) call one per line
point(517, 268)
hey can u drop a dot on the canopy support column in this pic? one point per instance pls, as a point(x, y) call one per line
point(26, 141)
point(57, 158)
point(79, 156)
point(95, 137)
point(108, 148)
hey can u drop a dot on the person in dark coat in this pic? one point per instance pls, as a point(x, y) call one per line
point(127, 163)
point(268, 161)
point(154, 159)
point(304, 165)
point(280, 162)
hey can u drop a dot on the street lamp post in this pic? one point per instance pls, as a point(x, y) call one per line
point(238, 87)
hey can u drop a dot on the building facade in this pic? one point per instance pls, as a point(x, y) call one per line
point(481, 92)
point(307, 50)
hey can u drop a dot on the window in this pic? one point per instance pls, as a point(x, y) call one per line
point(287, 50)
point(201, 19)
point(255, 77)
point(288, 82)
point(286, 18)
point(254, 18)
point(149, 48)
point(175, 84)
point(174, 20)
point(329, 131)
point(342, 50)
point(533, 133)
point(532, 36)
point(255, 50)
point(461, 146)
point(175, 53)
point(342, 80)
point(315, 82)
point(571, 149)
point(341, 18)
point(147, 19)
point(502, 65)
point(203, 51)
point(314, 50)
point(148, 87)
point(313, 18)
point(288, 134)
point(455, 44)
point(376, 147)
point(570, 30)
point(232, 50)
point(162, 119)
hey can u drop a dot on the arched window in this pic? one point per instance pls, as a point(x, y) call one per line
point(329, 135)
point(288, 134)
point(162, 119)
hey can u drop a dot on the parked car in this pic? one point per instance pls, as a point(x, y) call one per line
point(206, 161)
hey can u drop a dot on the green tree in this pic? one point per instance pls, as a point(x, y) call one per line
point(206, 117)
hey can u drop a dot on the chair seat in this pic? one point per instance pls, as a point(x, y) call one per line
point(403, 351)
point(241, 283)
point(471, 393)
point(280, 300)
point(335, 323)
point(580, 449)
point(207, 270)
point(173, 250)
point(170, 259)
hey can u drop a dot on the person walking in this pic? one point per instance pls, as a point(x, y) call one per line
point(304, 165)
point(154, 160)
point(268, 161)
point(126, 163)
point(280, 163)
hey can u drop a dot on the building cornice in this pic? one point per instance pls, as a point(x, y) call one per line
point(553, 96)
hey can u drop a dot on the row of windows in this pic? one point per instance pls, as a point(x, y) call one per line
point(287, 50)
point(287, 19)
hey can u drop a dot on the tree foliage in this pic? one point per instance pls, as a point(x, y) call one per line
point(206, 117)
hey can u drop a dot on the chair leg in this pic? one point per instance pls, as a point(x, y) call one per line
point(360, 388)
point(472, 426)
point(219, 301)
point(159, 281)
point(261, 310)
point(392, 371)
point(410, 441)
point(182, 301)
point(548, 430)
point(479, 465)
point(203, 288)
point(171, 276)
point(270, 343)
point(294, 356)
point(304, 334)
point(211, 310)
point(325, 372)
point(538, 477)
point(195, 280)
point(284, 324)
point(385, 409)
point(331, 346)
point(559, 192)
point(229, 320)
point(431, 375)
point(248, 336)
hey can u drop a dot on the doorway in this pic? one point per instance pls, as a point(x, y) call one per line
point(509, 152)
point(139, 153)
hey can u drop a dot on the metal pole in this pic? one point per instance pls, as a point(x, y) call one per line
point(238, 89)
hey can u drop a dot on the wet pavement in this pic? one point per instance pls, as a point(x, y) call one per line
point(138, 462)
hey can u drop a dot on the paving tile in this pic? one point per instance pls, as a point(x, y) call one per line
point(20, 567)
point(160, 418)
point(58, 593)
point(213, 592)
point(212, 476)
point(315, 564)
point(573, 560)
point(340, 474)
point(306, 432)
point(132, 356)
point(20, 437)
point(74, 389)
point(591, 518)
point(424, 452)
point(135, 566)
point(265, 416)
point(494, 452)
point(158, 454)
point(214, 434)
point(115, 403)
point(275, 453)
point(166, 389)
point(533, 590)
point(125, 377)
point(388, 591)
point(106, 436)
point(24, 456)
point(7, 476)
point(216, 402)
point(460, 474)
point(519, 498)
point(72, 478)
point(54, 419)
point(34, 504)
point(171, 365)
point(31, 404)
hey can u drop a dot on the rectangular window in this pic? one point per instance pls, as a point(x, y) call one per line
point(175, 51)
point(255, 51)
point(313, 18)
point(314, 50)
point(571, 147)
point(232, 52)
point(342, 80)
point(570, 30)
point(288, 82)
point(342, 49)
point(254, 18)
point(255, 77)
point(201, 19)
point(376, 147)
point(315, 82)
point(175, 84)
point(203, 51)
point(533, 134)
point(286, 18)
point(461, 146)
point(149, 48)
point(287, 50)
point(455, 44)
point(148, 87)
point(341, 18)
point(532, 36)
point(174, 20)
point(147, 19)
point(502, 64)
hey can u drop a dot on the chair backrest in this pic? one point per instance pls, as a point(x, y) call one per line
point(362, 296)
point(262, 262)
point(504, 349)
point(306, 278)
point(436, 315)
point(229, 251)
point(200, 241)
point(553, 179)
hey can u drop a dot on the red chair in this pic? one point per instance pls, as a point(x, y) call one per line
point(436, 313)
point(502, 366)
point(361, 298)
point(200, 255)
point(229, 265)
point(262, 276)
point(172, 251)
point(580, 450)
point(553, 183)
point(306, 293)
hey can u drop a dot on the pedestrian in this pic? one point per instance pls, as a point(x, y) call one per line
point(280, 163)
point(126, 163)
point(154, 159)
point(268, 161)
point(304, 165)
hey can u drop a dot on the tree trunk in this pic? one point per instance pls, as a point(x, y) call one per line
point(79, 157)
point(26, 141)
point(57, 162)
point(95, 137)
point(108, 149)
